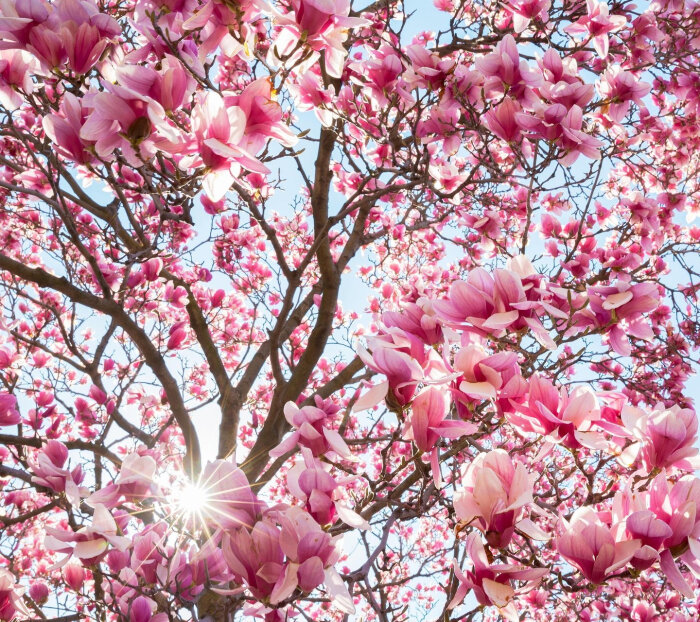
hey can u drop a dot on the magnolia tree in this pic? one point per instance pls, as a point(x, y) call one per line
point(332, 310)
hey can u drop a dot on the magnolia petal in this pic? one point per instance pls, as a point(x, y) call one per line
point(90, 548)
point(350, 517)
point(339, 591)
point(501, 320)
point(669, 568)
point(532, 530)
point(617, 300)
point(499, 594)
point(286, 585)
point(372, 397)
point(478, 389)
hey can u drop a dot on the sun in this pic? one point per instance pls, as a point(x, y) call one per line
point(192, 500)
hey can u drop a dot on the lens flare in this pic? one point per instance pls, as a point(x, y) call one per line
point(192, 499)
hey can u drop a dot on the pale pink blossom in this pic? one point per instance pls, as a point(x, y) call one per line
point(416, 318)
point(229, 501)
point(171, 85)
point(123, 119)
point(664, 437)
point(134, 482)
point(64, 127)
point(620, 88)
point(618, 309)
point(9, 415)
point(256, 559)
point(565, 416)
point(311, 430)
point(574, 141)
point(524, 11)
point(143, 609)
point(310, 553)
point(322, 25)
point(49, 471)
point(494, 377)
point(597, 23)
point(428, 420)
point(492, 495)
point(502, 120)
point(218, 133)
point(90, 543)
point(588, 543)
point(16, 69)
point(506, 73)
point(492, 583)
point(402, 371)
point(263, 117)
point(11, 602)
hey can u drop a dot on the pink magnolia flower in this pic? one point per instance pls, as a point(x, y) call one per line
point(555, 69)
point(134, 482)
point(494, 377)
point(48, 468)
point(403, 372)
point(84, 45)
point(492, 583)
point(19, 18)
point(9, 415)
point(16, 69)
point(74, 575)
point(524, 11)
point(588, 543)
point(597, 24)
point(90, 543)
point(171, 85)
point(142, 609)
point(39, 592)
point(149, 556)
point(427, 421)
point(664, 437)
point(322, 25)
point(564, 416)
point(11, 603)
point(70, 31)
point(256, 560)
point(651, 531)
point(491, 304)
point(311, 430)
point(310, 553)
point(416, 318)
point(666, 520)
point(505, 72)
point(229, 501)
point(311, 482)
point(264, 117)
point(64, 129)
point(218, 132)
point(426, 69)
point(205, 566)
point(312, 95)
point(492, 496)
point(618, 309)
point(215, 23)
point(502, 120)
point(382, 73)
point(123, 119)
point(574, 141)
point(620, 88)
point(544, 123)
point(152, 268)
point(568, 93)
